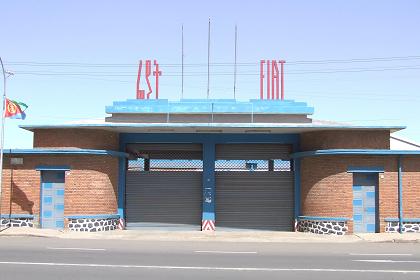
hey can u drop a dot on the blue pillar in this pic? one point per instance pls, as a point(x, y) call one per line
point(122, 164)
point(400, 195)
point(296, 169)
point(296, 173)
point(208, 216)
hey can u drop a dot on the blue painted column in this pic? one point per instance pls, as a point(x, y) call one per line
point(296, 173)
point(208, 216)
point(296, 169)
point(400, 195)
point(122, 166)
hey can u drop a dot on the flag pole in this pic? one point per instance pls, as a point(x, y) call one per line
point(2, 133)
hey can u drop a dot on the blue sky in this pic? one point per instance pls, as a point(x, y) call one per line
point(361, 59)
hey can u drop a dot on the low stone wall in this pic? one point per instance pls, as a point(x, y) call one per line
point(406, 227)
point(92, 224)
point(322, 227)
point(17, 222)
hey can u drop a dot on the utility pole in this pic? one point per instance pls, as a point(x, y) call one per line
point(3, 120)
point(2, 132)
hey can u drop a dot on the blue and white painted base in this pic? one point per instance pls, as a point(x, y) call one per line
point(406, 227)
point(93, 223)
point(17, 222)
point(321, 225)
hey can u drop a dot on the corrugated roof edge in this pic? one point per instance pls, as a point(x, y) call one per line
point(206, 125)
point(65, 152)
point(375, 152)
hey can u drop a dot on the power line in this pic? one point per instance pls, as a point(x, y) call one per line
point(295, 62)
point(197, 74)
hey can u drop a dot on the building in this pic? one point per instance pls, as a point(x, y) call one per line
point(213, 165)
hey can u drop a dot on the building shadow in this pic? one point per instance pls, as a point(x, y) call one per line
point(20, 198)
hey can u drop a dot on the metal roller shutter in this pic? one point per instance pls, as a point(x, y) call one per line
point(166, 151)
point(163, 199)
point(254, 200)
point(253, 151)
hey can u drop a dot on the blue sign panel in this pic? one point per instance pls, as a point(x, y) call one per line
point(364, 202)
point(52, 199)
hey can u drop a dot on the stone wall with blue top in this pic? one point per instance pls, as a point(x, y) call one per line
point(209, 106)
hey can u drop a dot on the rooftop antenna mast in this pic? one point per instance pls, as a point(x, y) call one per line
point(182, 61)
point(208, 63)
point(234, 70)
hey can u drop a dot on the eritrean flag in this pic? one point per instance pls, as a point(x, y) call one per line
point(15, 110)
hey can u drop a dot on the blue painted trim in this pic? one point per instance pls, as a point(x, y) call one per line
point(209, 186)
point(297, 183)
point(300, 127)
point(217, 138)
point(99, 216)
point(208, 106)
point(65, 152)
point(41, 192)
point(377, 152)
point(405, 220)
point(400, 195)
point(17, 216)
point(332, 219)
point(122, 168)
point(365, 169)
point(296, 165)
point(209, 216)
point(52, 167)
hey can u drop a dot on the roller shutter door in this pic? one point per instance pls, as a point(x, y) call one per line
point(163, 200)
point(262, 199)
point(254, 200)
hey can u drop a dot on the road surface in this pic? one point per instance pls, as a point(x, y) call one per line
point(54, 258)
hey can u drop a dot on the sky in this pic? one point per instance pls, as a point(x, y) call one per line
point(353, 61)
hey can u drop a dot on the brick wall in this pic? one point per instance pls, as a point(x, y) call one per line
point(326, 187)
point(76, 138)
point(90, 186)
point(320, 140)
point(411, 187)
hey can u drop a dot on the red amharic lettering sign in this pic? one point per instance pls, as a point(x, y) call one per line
point(141, 93)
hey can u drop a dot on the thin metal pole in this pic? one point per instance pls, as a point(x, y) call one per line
point(400, 196)
point(234, 71)
point(2, 131)
point(182, 62)
point(208, 63)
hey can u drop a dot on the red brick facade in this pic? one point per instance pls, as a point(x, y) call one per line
point(76, 138)
point(335, 139)
point(326, 186)
point(411, 187)
point(91, 184)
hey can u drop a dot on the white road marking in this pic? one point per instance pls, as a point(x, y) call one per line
point(386, 261)
point(77, 249)
point(356, 254)
point(263, 269)
point(225, 252)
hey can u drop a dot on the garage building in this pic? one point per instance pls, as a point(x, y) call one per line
point(212, 165)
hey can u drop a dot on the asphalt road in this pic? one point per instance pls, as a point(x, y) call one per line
point(53, 258)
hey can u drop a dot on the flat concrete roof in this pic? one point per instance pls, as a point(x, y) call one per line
point(210, 127)
point(209, 106)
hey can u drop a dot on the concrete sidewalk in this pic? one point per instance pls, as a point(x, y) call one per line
point(221, 236)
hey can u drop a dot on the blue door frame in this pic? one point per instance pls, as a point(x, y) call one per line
point(365, 202)
point(52, 199)
point(208, 140)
